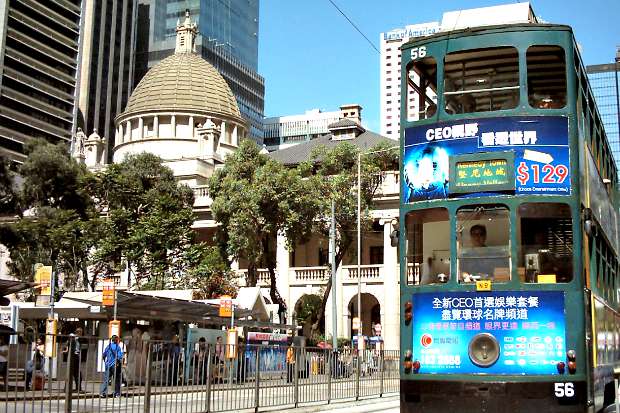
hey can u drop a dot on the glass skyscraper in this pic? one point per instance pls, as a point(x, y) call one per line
point(605, 83)
point(228, 39)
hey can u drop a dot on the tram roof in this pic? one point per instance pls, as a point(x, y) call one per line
point(517, 27)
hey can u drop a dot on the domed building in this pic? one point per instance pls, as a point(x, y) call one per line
point(183, 111)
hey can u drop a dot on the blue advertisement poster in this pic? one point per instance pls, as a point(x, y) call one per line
point(539, 143)
point(529, 328)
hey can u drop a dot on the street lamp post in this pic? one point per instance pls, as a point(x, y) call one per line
point(359, 238)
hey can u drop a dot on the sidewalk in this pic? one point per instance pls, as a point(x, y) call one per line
point(389, 403)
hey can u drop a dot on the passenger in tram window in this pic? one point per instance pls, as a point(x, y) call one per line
point(479, 262)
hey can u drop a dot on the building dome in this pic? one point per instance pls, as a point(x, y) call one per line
point(183, 82)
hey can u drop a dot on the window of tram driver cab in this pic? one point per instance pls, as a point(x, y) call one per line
point(545, 234)
point(481, 80)
point(483, 243)
point(428, 246)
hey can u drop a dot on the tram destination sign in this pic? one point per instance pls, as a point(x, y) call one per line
point(436, 157)
point(482, 172)
point(527, 327)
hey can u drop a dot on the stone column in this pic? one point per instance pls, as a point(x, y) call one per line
point(390, 307)
point(235, 136)
point(191, 127)
point(282, 270)
point(127, 137)
point(156, 126)
point(173, 126)
point(223, 136)
point(140, 128)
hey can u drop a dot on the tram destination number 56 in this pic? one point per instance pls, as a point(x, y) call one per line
point(563, 390)
point(418, 52)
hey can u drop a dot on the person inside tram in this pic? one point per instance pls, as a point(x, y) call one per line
point(464, 103)
point(479, 262)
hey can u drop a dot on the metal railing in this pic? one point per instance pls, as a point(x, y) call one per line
point(163, 376)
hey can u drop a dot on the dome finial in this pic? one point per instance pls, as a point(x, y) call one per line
point(186, 35)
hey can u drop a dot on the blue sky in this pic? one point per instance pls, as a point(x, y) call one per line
point(311, 57)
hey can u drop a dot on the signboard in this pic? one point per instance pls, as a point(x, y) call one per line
point(356, 323)
point(529, 328)
point(108, 294)
point(482, 172)
point(43, 279)
point(226, 306)
point(114, 328)
point(414, 30)
point(539, 148)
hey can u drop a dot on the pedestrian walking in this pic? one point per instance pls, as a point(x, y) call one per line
point(113, 360)
point(174, 359)
point(290, 363)
point(200, 361)
point(72, 351)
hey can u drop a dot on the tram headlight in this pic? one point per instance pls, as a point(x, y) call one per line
point(416, 366)
point(571, 355)
point(561, 367)
point(408, 313)
point(408, 364)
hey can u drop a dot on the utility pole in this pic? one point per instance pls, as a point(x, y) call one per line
point(332, 255)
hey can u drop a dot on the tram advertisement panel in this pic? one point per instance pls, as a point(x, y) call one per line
point(539, 145)
point(503, 332)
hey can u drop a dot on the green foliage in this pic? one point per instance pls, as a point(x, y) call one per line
point(256, 199)
point(208, 274)
point(147, 224)
point(334, 173)
point(56, 215)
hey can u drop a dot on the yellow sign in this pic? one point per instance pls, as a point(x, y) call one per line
point(108, 294)
point(43, 279)
point(231, 344)
point(50, 337)
point(226, 306)
point(546, 279)
point(483, 285)
point(356, 323)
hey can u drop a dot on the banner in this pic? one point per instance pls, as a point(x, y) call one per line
point(528, 326)
point(538, 148)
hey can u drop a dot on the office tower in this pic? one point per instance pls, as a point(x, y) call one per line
point(39, 60)
point(228, 39)
point(106, 73)
point(390, 73)
point(605, 83)
point(284, 131)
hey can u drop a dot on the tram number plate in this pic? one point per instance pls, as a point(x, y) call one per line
point(483, 285)
point(564, 390)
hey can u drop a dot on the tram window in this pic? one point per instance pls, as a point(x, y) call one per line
point(481, 80)
point(546, 245)
point(422, 88)
point(428, 246)
point(546, 77)
point(483, 243)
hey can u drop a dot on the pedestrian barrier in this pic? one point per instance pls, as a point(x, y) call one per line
point(164, 377)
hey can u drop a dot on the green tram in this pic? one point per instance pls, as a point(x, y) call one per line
point(509, 232)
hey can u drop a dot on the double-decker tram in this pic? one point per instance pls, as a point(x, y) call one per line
point(508, 215)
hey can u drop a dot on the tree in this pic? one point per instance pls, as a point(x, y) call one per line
point(55, 215)
point(255, 199)
point(208, 274)
point(333, 173)
point(147, 221)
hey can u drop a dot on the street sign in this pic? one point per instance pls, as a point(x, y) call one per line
point(114, 328)
point(226, 306)
point(43, 279)
point(50, 337)
point(95, 309)
point(108, 294)
point(356, 323)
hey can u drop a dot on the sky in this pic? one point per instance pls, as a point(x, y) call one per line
point(311, 57)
